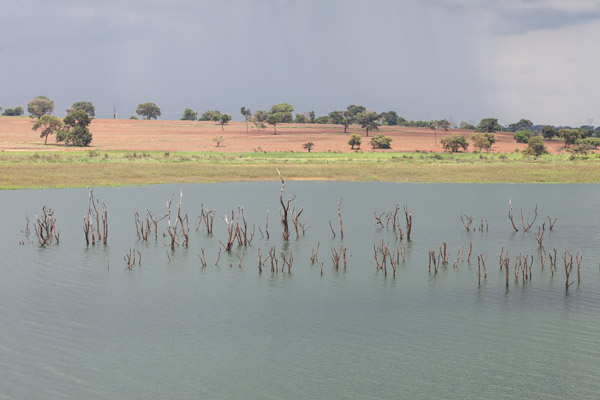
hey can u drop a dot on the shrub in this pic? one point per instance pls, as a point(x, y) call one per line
point(535, 147)
point(381, 142)
point(483, 141)
point(355, 140)
point(453, 142)
point(590, 141)
point(522, 136)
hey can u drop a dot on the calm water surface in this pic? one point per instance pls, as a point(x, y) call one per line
point(71, 328)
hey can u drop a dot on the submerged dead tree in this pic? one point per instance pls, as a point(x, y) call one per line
point(45, 227)
point(96, 215)
point(178, 228)
point(285, 209)
point(511, 217)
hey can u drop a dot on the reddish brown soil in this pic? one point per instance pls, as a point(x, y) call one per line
point(140, 135)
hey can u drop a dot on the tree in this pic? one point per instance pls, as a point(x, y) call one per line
point(389, 118)
point(49, 124)
point(247, 114)
point(323, 120)
point(467, 126)
point(522, 136)
point(368, 121)
point(76, 131)
point(548, 132)
point(259, 118)
point(13, 112)
point(223, 119)
point(535, 146)
point(354, 141)
point(381, 142)
point(444, 124)
point(571, 135)
point(189, 115)
point(434, 125)
point(300, 119)
point(483, 141)
point(40, 106)
point(308, 146)
point(354, 110)
point(489, 125)
point(336, 117)
point(523, 124)
point(86, 106)
point(311, 117)
point(350, 115)
point(148, 110)
point(209, 115)
point(279, 113)
point(454, 141)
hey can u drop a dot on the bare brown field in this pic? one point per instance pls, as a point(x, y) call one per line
point(165, 135)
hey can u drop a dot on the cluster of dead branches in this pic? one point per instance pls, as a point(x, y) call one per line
point(481, 262)
point(179, 228)
point(525, 226)
point(45, 227)
point(314, 254)
point(337, 255)
point(391, 217)
point(341, 223)
point(568, 262)
point(467, 220)
point(523, 266)
point(207, 217)
point(287, 260)
point(130, 258)
point(144, 228)
point(237, 231)
point(95, 213)
point(382, 249)
point(26, 232)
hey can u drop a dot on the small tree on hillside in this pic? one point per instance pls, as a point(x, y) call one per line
point(86, 106)
point(258, 119)
point(453, 142)
point(49, 124)
point(40, 106)
point(308, 146)
point(535, 147)
point(368, 121)
point(279, 113)
point(483, 141)
point(247, 115)
point(571, 135)
point(489, 125)
point(189, 115)
point(522, 136)
point(548, 132)
point(209, 115)
point(76, 131)
point(381, 142)
point(148, 110)
point(300, 119)
point(224, 119)
point(354, 141)
point(523, 124)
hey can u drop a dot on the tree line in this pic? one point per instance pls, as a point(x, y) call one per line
point(73, 129)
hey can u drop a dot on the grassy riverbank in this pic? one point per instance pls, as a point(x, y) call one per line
point(111, 168)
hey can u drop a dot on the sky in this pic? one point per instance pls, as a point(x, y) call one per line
point(462, 60)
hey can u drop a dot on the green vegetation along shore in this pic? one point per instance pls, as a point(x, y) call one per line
point(20, 170)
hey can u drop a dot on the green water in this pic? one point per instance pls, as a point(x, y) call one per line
point(76, 324)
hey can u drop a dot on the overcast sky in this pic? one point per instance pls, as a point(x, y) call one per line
point(455, 59)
